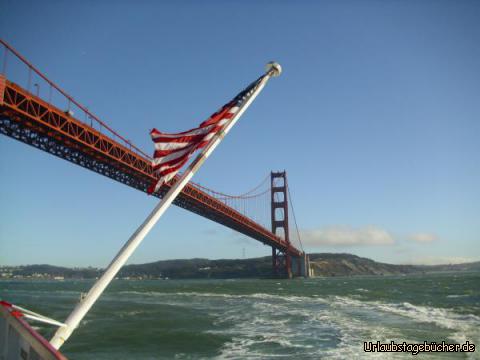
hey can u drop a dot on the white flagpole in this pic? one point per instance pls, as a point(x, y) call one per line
point(64, 332)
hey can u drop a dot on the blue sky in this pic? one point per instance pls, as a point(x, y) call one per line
point(375, 118)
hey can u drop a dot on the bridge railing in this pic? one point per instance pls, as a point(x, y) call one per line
point(19, 70)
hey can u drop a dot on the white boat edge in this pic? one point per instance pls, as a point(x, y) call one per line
point(18, 340)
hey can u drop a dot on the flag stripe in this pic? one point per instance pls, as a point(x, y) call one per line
point(173, 156)
point(158, 167)
point(182, 146)
point(167, 169)
point(186, 139)
point(192, 132)
point(159, 137)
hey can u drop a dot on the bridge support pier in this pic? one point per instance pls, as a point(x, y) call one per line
point(286, 266)
point(274, 261)
point(303, 266)
point(281, 264)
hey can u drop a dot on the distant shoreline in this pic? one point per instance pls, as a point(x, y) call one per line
point(88, 280)
point(322, 265)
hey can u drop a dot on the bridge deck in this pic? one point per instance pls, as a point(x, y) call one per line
point(28, 118)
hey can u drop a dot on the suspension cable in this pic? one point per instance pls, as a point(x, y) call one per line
point(244, 195)
point(295, 218)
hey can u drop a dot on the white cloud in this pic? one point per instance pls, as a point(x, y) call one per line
point(346, 236)
point(423, 237)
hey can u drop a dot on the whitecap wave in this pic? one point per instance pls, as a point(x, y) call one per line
point(454, 296)
point(463, 326)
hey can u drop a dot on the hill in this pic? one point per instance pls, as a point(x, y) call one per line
point(323, 264)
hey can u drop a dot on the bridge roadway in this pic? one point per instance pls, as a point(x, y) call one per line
point(30, 119)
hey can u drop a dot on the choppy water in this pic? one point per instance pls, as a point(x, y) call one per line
point(323, 318)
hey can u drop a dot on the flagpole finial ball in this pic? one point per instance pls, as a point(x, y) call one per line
point(274, 68)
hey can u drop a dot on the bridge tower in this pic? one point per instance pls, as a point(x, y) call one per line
point(281, 261)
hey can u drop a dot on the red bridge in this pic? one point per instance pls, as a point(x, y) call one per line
point(39, 122)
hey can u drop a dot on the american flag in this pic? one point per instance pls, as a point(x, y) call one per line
point(172, 151)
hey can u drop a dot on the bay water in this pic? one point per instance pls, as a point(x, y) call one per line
point(318, 318)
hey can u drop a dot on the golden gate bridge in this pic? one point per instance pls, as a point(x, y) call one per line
point(36, 111)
